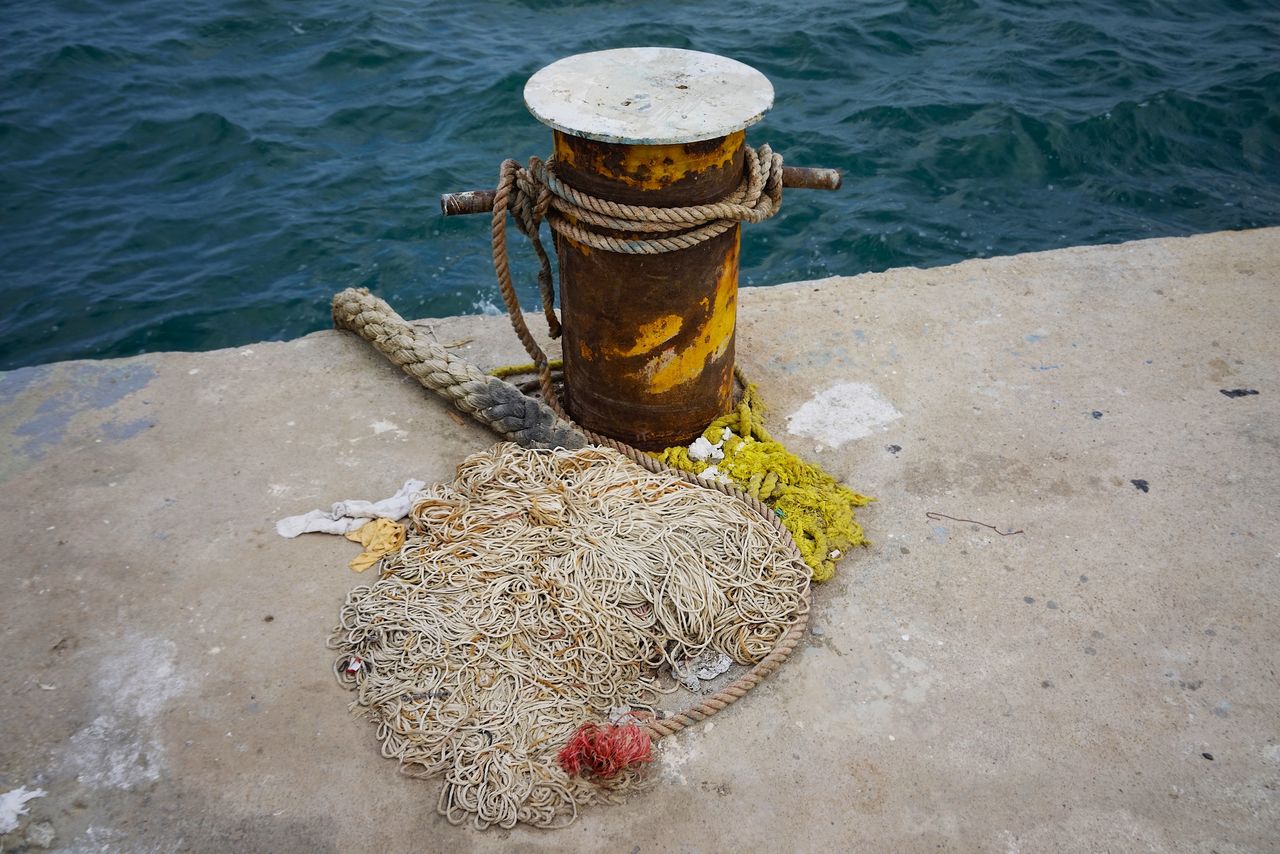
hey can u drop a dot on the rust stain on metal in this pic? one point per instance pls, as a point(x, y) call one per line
point(674, 367)
point(630, 173)
point(808, 178)
point(452, 204)
point(648, 167)
point(651, 335)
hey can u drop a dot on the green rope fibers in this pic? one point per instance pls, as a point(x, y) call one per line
point(817, 511)
point(530, 368)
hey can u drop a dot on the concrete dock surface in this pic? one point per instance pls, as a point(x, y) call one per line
point(1103, 680)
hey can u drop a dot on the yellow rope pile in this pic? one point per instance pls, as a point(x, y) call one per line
point(537, 592)
point(817, 511)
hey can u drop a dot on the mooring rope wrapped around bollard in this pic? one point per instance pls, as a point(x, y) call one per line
point(513, 644)
point(533, 194)
point(541, 194)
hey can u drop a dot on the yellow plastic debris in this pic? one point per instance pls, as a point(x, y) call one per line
point(379, 537)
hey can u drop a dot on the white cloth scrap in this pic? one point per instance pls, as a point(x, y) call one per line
point(713, 473)
point(352, 514)
point(14, 804)
point(702, 450)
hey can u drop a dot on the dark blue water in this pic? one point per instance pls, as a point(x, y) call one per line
point(196, 175)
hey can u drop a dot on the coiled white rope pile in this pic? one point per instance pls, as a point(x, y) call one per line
point(537, 592)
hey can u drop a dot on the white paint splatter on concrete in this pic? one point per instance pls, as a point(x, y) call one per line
point(841, 413)
point(383, 426)
point(14, 804)
point(674, 755)
point(121, 748)
point(99, 839)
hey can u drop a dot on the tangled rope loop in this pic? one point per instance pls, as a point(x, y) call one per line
point(534, 193)
point(537, 593)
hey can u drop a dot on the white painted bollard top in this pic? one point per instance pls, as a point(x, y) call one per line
point(648, 95)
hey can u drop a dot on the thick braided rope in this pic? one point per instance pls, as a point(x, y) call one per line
point(374, 320)
point(493, 402)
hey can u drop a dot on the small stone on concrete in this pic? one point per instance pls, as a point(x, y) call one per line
point(41, 834)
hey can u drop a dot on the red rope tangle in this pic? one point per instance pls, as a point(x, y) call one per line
point(603, 751)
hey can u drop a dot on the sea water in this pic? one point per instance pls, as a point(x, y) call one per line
point(200, 175)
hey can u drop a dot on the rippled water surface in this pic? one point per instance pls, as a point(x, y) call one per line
point(197, 175)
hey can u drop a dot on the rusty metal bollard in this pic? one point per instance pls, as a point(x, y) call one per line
point(649, 339)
